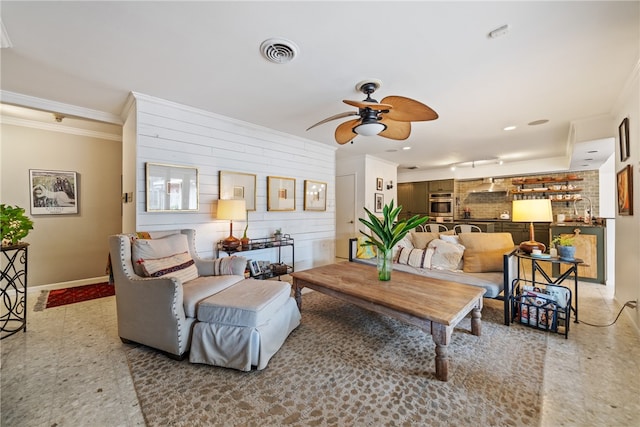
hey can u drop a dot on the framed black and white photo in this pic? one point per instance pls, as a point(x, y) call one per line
point(315, 195)
point(379, 202)
point(171, 188)
point(237, 186)
point(281, 193)
point(623, 132)
point(378, 184)
point(53, 192)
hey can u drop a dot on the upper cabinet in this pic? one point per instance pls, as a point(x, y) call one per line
point(412, 196)
point(441, 185)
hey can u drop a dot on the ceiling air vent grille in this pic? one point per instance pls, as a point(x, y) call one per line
point(279, 51)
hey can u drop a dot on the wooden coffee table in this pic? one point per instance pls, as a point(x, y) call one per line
point(435, 306)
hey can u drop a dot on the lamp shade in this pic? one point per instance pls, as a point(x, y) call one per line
point(232, 209)
point(532, 210)
point(369, 129)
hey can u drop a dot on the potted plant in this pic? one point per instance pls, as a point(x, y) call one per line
point(277, 234)
point(15, 224)
point(386, 232)
point(564, 243)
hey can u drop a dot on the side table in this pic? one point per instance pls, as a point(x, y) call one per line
point(536, 268)
point(13, 289)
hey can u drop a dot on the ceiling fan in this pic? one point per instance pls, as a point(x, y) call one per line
point(390, 118)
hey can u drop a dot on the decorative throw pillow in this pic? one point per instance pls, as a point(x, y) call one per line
point(421, 239)
point(419, 258)
point(451, 238)
point(484, 251)
point(446, 255)
point(179, 265)
point(226, 265)
point(365, 252)
point(405, 242)
point(142, 249)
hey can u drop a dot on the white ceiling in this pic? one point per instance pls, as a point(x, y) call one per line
point(567, 62)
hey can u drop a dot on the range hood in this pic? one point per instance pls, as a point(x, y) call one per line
point(489, 186)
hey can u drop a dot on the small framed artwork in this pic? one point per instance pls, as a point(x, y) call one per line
point(625, 191)
point(238, 185)
point(315, 195)
point(281, 193)
point(171, 188)
point(378, 184)
point(623, 132)
point(254, 267)
point(53, 192)
point(379, 202)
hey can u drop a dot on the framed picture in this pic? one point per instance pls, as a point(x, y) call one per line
point(378, 184)
point(171, 188)
point(281, 193)
point(238, 185)
point(379, 202)
point(315, 195)
point(254, 267)
point(623, 132)
point(625, 191)
point(53, 192)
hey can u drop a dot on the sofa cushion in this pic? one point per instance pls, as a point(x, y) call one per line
point(421, 239)
point(405, 242)
point(198, 289)
point(179, 265)
point(484, 251)
point(446, 255)
point(419, 258)
point(162, 247)
point(365, 252)
point(249, 303)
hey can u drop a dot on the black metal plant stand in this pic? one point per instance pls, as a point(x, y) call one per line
point(13, 289)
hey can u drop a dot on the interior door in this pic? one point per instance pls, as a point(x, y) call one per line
point(345, 213)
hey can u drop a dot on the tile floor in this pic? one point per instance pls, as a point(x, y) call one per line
point(69, 369)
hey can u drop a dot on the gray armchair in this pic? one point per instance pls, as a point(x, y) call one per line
point(160, 312)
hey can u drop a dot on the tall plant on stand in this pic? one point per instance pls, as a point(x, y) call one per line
point(386, 232)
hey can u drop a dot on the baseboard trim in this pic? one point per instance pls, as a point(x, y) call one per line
point(70, 284)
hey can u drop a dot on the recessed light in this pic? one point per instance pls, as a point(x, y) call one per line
point(509, 128)
point(538, 122)
point(406, 148)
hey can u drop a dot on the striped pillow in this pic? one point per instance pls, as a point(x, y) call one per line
point(419, 258)
point(179, 265)
point(223, 266)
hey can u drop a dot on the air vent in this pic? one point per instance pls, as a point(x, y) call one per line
point(279, 51)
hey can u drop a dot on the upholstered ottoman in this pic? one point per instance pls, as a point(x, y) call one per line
point(244, 325)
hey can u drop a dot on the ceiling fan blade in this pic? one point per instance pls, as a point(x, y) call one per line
point(337, 116)
point(408, 110)
point(395, 129)
point(345, 133)
point(365, 104)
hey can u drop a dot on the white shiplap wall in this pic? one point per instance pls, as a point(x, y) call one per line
point(176, 134)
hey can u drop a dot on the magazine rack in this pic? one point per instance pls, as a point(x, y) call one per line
point(541, 305)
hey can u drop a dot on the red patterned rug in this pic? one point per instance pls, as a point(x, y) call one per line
point(66, 296)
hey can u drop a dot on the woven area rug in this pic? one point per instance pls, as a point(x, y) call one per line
point(58, 297)
point(347, 366)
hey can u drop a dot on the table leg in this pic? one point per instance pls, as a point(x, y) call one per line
point(297, 293)
point(441, 337)
point(476, 324)
point(575, 276)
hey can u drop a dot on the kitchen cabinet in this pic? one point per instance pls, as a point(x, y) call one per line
point(589, 247)
point(441, 185)
point(412, 196)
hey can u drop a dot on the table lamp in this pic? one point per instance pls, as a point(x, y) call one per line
point(532, 210)
point(231, 209)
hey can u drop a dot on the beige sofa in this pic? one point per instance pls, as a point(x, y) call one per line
point(478, 259)
point(164, 290)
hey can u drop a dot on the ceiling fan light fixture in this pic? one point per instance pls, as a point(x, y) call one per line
point(369, 129)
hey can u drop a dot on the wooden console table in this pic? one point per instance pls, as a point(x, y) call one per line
point(435, 306)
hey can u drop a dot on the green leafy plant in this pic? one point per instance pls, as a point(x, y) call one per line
point(15, 225)
point(563, 240)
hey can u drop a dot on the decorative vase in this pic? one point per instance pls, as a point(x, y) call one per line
point(385, 264)
point(566, 252)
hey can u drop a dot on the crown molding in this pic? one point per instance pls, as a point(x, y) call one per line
point(56, 127)
point(58, 107)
